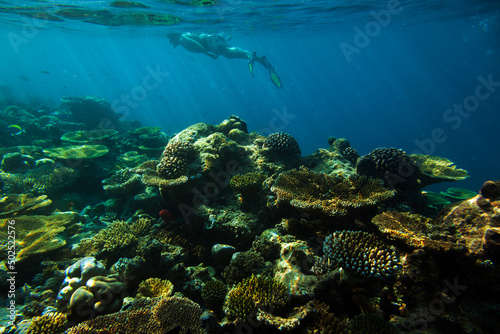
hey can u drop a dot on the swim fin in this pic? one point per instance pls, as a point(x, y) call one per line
point(251, 61)
point(276, 80)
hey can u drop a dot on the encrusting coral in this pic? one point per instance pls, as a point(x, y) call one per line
point(282, 144)
point(155, 287)
point(326, 195)
point(361, 253)
point(254, 293)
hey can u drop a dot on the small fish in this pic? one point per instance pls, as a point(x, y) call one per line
point(166, 215)
point(24, 78)
point(15, 130)
point(45, 72)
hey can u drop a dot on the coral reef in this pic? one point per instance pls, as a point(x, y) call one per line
point(436, 169)
point(328, 196)
point(175, 158)
point(255, 293)
point(153, 316)
point(282, 144)
point(155, 287)
point(361, 253)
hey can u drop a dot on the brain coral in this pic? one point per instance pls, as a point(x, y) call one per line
point(392, 165)
point(254, 293)
point(282, 143)
point(362, 253)
point(175, 158)
point(326, 195)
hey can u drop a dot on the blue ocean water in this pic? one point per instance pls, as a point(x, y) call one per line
point(417, 75)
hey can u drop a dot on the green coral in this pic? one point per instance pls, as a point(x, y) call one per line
point(49, 323)
point(155, 287)
point(436, 169)
point(90, 136)
point(326, 195)
point(371, 323)
point(214, 293)
point(458, 194)
point(254, 293)
point(117, 236)
point(76, 152)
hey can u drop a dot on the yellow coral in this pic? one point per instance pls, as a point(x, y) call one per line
point(328, 195)
point(117, 235)
point(155, 287)
point(37, 234)
point(254, 293)
point(49, 323)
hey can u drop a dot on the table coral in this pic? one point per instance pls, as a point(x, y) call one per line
point(326, 195)
point(76, 152)
point(38, 234)
point(89, 136)
point(436, 169)
point(18, 204)
point(413, 230)
point(361, 253)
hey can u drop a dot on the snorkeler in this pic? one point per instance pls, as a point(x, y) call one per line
point(216, 45)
